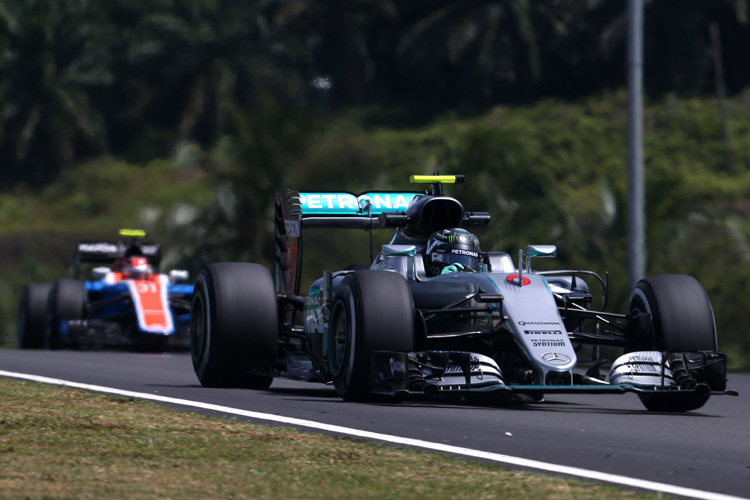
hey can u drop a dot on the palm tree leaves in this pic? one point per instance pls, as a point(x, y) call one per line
point(214, 53)
point(54, 57)
point(78, 77)
point(485, 46)
point(135, 77)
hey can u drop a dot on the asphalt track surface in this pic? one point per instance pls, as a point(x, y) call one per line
point(706, 450)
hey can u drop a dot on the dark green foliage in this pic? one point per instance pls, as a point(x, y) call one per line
point(133, 77)
point(552, 173)
point(54, 63)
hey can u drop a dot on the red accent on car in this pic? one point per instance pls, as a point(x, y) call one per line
point(518, 280)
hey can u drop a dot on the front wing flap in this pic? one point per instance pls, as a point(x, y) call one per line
point(432, 373)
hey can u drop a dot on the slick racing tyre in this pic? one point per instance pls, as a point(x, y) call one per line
point(675, 401)
point(682, 319)
point(68, 300)
point(372, 311)
point(32, 315)
point(234, 326)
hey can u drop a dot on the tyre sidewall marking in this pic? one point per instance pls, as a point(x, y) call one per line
point(353, 321)
point(205, 351)
point(645, 305)
point(52, 334)
point(336, 363)
point(197, 344)
point(345, 371)
point(644, 300)
point(22, 322)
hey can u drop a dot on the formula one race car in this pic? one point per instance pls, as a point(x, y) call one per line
point(436, 316)
point(128, 304)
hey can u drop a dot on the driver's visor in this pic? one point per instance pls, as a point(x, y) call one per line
point(449, 258)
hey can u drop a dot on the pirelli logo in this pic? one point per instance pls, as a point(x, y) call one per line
point(543, 332)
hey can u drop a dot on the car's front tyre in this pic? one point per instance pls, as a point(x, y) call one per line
point(371, 311)
point(682, 320)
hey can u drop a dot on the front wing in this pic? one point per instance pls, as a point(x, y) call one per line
point(455, 373)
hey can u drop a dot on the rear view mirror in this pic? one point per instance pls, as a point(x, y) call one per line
point(178, 276)
point(541, 250)
point(524, 259)
point(99, 273)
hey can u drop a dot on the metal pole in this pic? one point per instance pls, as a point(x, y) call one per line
point(721, 95)
point(636, 233)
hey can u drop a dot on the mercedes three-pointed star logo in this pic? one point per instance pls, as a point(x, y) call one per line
point(555, 358)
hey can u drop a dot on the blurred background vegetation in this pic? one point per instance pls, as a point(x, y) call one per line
point(183, 116)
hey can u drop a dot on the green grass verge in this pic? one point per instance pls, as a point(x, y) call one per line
point(58, 442)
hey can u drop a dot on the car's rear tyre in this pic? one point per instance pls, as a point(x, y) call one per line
point(682, 319)
point(32, 315)
point(68, 300)
point(371, 311)
point(234, 326)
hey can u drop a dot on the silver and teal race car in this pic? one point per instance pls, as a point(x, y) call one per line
point(433, 316)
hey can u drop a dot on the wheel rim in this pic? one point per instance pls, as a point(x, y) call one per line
point(641, 303)
point(197, 327)
point(339, 338)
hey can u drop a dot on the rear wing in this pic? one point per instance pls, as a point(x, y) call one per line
point(107, 253)
point(296, 210)
point(415, 215)
point(347, 210)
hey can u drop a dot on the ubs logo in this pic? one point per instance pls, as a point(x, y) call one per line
point(292, 228)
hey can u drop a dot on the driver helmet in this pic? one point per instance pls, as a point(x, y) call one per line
point(452, 247)
point(137, 268)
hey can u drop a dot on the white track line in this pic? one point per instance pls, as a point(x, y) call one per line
point(417, 443)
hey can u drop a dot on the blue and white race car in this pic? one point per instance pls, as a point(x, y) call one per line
point(126, 303)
